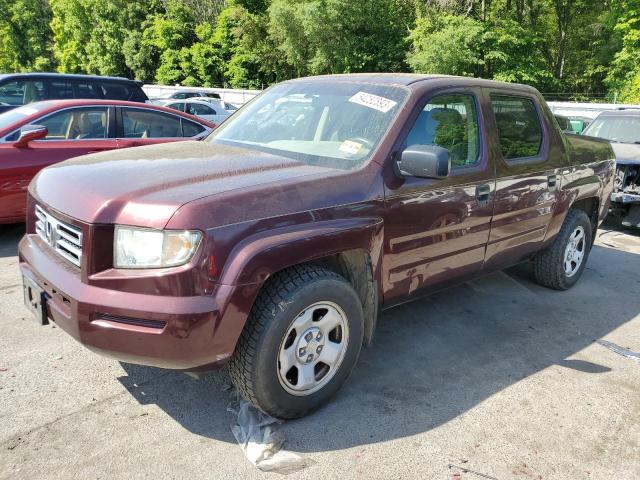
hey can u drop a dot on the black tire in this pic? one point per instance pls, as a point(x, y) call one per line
point(254, 365)
point(548, 265)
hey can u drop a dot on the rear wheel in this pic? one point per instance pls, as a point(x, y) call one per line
point(561, 265)
point(301, 341)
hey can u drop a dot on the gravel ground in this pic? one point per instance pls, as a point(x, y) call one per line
point(498, 378)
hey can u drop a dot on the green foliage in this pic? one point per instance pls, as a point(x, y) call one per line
point(24, 35)
point(89, 35)
point(579, 46)
point(449, 44)
point(624, 74)
point(336, 36)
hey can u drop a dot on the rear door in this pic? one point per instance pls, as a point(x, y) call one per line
point(528, 171)
point(436, 231)
point(72, 132)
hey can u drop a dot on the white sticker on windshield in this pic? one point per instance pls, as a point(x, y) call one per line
point(373, 101)
point(350, 147)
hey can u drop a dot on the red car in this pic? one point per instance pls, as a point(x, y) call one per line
point(37, 135)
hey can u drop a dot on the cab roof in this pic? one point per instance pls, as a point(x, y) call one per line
point(411, 79)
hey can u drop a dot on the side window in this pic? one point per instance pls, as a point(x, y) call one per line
point(87, 90)
point(191, 129)
point(177, 106)
point(180, 95)
point(21, 92)
point(114, 91)
point(198, 109)
point(518, 125)
point(60, 89)
point(142, 123)
point(449, 121)
point(76, 124)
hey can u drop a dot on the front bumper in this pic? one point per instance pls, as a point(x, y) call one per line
point(186, 333)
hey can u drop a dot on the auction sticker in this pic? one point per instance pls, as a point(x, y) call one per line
point(350, 147)
point(373, 101)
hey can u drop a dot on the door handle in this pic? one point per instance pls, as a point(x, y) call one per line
point(552, 182)
point(483, 192)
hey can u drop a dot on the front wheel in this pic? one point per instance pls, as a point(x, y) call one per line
point(561, 265)
point(301, 341)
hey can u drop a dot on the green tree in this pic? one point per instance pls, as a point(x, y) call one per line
point(89, 35)
point(341, 36)
point(247, 50)
point(447, 44)
point(25, 36)
point(624, 75)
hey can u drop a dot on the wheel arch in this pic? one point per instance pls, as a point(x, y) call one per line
point(351, 248)
point(590, 206)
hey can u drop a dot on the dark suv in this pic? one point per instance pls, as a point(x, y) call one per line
point(18, 89)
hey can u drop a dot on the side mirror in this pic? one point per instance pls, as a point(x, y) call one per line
point(425, 161)
point(29, 133)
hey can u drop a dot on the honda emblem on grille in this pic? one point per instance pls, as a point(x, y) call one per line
point(49, 229)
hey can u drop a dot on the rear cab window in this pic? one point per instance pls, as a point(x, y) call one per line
point(518, 126)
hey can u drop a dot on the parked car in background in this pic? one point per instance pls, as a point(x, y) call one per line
point(229, 107)
point(274, 243)
point(622, 129)
point(40, 134)
point(184, 94)
point(18, 89)
point(564, 123)
point(578, 124)
point(213, 111)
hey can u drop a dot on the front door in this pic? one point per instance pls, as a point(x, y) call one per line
point(436, 230)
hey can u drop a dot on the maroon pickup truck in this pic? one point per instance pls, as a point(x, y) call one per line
point(273, 244)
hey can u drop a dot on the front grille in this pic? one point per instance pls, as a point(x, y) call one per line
point(65, 239)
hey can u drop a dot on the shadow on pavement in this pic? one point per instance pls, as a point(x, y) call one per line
point(10, 235)
point(435, 358)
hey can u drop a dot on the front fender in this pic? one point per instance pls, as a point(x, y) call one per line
point(259, 256)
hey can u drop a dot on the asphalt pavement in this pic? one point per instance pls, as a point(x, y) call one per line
point(497, 378)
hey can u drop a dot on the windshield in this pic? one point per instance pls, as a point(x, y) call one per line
point(622, 128)
point(336, 125)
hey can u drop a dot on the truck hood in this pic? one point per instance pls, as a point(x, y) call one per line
point(626, 152)
point(144, 186)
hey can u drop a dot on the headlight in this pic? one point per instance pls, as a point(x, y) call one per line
point(146, 248)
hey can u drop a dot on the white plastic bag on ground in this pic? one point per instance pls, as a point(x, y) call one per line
point(261, 440)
